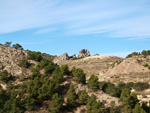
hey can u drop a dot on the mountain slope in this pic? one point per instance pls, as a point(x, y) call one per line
point(91, 64)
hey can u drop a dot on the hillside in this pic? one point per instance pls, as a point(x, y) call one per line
point(91, 64)
point(9, 59)
point(31, 83)
point(131, 69)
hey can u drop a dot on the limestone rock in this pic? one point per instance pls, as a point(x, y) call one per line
point(83, 53)
point(9, 59)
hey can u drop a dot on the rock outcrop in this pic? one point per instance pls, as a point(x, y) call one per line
point(9, 59)
point(83, 53)
point(62, 57)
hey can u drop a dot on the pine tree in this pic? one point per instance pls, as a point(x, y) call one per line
point(57, 76)
point(93, 82)
point(138, 109)
point(125, 96)
point(126, 109)
point(93, 106)
point(83, 97)
point(56, 103)
point(65, 69)
point(79, 75)
point(71, 96)
point(7, 44)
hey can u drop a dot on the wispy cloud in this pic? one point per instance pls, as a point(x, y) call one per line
point(46, 30)
point(128, 18)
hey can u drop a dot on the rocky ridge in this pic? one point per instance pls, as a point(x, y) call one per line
point(9, 59)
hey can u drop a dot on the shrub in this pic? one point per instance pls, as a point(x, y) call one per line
point(43, 63)
point(138, 109)
point(24, 63)
point(7, 44)
point(145, 65)
point(4, 76)
point(128, 98)
point(57, 76)
point(93, 82)
point(79, 75)
point(71, 96)
point(111, 89)
point(17, 46)
point(141, 86)
point(83, 97)
point(35, 56)
point(50, 68)
point(56, 103)
point(65, 69)
point(93, 106)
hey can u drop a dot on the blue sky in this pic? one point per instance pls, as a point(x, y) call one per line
point(113, 27)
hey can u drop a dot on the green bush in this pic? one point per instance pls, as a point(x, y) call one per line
point(138, 109)
point(17, 46)
point(65, 69)
point(141, 86)
point(93, 82)
point(4, 76)
point(43, 63)
point(111, 89)
point(145, 65)
point(50, 68)
point(24, 63)
point(128, 98)
point(93, 106)
point(8, 44)
point(56, 103)
point(37, 56)
point(71, 96)
point(57, 76)
point(79, 75)
point(83, 97)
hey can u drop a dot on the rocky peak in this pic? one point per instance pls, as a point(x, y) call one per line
point(83, 53)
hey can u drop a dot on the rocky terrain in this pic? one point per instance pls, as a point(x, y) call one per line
point(106, 68)
point(90, 64)
point(132, 69)
point(9, 59)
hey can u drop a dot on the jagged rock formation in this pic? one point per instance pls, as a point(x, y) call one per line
point(62, 57)
point(9, 59)
point(83, 53)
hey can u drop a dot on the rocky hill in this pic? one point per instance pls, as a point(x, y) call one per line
point(9, 59)
point(90, 64)
point(48, 87)
point(133, 69)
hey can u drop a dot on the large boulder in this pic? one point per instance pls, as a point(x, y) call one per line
point(64, 56)
point(83, 53)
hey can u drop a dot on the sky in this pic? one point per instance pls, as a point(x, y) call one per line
point(111, 27)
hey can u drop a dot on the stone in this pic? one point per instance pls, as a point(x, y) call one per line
point(63, 57)
point(83, 53)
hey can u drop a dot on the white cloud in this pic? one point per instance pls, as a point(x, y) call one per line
point(128, 18)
